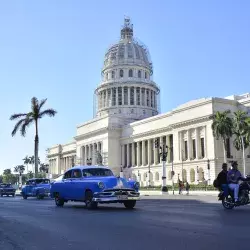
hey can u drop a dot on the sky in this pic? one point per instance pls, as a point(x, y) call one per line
point(55, 50)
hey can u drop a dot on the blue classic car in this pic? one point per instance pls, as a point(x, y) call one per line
point(36, 187)
point(93, 185)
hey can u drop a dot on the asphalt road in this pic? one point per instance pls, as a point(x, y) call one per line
point(194, 223)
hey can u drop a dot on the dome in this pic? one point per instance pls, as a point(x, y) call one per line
point(127, 51)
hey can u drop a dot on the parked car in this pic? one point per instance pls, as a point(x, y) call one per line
point(93, 185)
point(36, 187)
point(7, 189)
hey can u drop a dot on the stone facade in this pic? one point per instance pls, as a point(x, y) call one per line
point(128, 123)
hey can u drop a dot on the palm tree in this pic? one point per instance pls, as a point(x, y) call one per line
point(222, 128)
point(32, 162)
point(44, 168)
point(26, 161)
point(19, 169)
point(26, 119)
point(241, 131)
point(7, 171)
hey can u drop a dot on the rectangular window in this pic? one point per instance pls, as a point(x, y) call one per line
point(114, 97)
point(119, 96)
point(143, 97)
point(186, 149)
point(194, 149)
point(147, 95)
point(202, 148)
point(125, 95)
point(138, 96)
point(132, 102)
point(151, 98)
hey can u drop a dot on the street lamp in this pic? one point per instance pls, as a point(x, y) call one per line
point(182, 153)
point(149, 176)
point(163, 154)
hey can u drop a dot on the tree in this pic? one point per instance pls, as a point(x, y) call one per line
point(30, 175)
point(20, 169)
point(26, 161)
point(241, 131)
point(44, 168)
point(8, 177)
point(222, 128)
point(26, 119)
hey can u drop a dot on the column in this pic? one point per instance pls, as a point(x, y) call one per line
point(140, 96)
point(155, 153)
point(182, 153)
point(122, 95)
point(85, 155)
point(169, 151)
point(135, 95)
point(145, 97)
point(128, 95)
point(128, 156)
point(149, 152)
point(149, 97)
point(93, 154)
point(205, 141)
point(188, 145)
point(138, 154)
point(133, 154)
point(122, 155)
point(107, 100)
point(197, 143)
point(143, 153)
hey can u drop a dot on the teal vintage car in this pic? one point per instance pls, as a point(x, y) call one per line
point(94, 185)
point(36, 187)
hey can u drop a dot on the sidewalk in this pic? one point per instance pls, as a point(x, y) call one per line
point(170, 192)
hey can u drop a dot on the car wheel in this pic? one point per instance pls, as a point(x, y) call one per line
point(1, 195)
point(88, 200)
point(25, 197)
point(59, 201)
point(129, 204)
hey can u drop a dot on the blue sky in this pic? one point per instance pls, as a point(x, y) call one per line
point(55, 50)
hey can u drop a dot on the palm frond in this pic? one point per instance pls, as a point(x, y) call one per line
point(16, 116)
point(25, 125)
point(35, 106)
point(17, 126)
point(49, 112)
point(41, 104)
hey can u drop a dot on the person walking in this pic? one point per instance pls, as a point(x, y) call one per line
point(187, 188)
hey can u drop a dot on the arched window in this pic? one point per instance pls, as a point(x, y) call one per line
point(121, 73)
point(107, 76)
point(157, 176)
point(192, 175)
point(113, 74)
point(146, 75)
point(130, 73)
point(139, 74)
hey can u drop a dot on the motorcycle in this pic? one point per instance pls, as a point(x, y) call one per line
point(227, 197)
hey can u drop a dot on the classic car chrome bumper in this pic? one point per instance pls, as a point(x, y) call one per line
point(113, 196)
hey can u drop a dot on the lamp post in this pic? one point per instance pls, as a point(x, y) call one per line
point(197, 171)
point(149, 176)
point(182, 153)
point(172, 172)
point(163, 154)
point(121, 172)
point(208, 169)
point(139, 177)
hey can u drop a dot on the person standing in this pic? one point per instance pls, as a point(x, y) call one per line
point(187, 187)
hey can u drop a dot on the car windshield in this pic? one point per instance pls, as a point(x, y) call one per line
point(5, 185)
point(42, 181)
point(96, 172)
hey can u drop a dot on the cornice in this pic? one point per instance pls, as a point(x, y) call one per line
point(90, 134)
point(168, 128)
point(94, 120)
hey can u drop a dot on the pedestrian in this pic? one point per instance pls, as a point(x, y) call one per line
point(187, 188)
point(180, 186)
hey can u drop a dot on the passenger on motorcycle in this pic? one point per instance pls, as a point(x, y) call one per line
point(222, 179)
point(233, 177)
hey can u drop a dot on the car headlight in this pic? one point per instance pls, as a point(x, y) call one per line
point(136, 185)
point(101, 185)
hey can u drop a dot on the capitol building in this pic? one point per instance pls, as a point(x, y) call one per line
point(128, 123)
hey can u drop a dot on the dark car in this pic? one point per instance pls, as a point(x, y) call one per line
point(7, 189)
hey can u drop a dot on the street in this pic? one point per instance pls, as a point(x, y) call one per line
point(172, 222)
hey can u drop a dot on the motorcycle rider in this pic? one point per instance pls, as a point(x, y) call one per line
point(233, 177)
